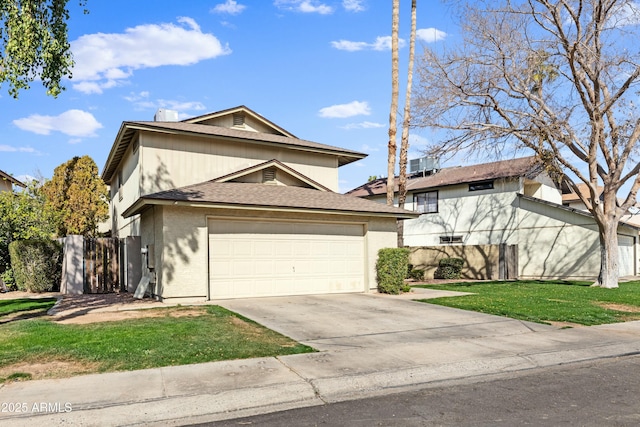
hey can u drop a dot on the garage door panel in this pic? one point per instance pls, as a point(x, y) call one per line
point(280, 258)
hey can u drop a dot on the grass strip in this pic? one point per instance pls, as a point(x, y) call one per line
point(546, 301)
point(168, 338)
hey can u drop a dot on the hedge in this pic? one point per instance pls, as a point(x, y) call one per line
point(449, 268)
point(36, 265)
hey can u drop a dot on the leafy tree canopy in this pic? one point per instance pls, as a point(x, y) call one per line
point(80, 196)
point(33, 34)
point(25, 215)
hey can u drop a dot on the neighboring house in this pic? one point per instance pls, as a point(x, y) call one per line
point(511, 202)
point(230, 205)
point(7, 182)
point(571, 199)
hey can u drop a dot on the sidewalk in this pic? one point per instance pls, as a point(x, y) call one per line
point(223, 390)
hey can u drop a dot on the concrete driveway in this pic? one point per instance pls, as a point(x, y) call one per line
point(349, 321)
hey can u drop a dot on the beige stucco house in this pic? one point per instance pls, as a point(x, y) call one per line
point(512, 202)
point(231, 205)
point(7, 182)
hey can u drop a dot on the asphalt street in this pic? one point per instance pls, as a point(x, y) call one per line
point(598, 393)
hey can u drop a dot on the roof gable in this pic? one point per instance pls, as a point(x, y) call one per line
point(5, 176)
point(250, 120)
point(250, 174)
point(283, 139)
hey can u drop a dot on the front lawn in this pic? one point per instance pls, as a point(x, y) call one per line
point(546, 301)
point(171, 336)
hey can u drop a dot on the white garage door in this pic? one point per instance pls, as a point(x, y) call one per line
point(269, 258)
point(626, 252)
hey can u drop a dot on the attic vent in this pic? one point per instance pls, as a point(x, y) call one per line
point(238, 119)
point(269, 176)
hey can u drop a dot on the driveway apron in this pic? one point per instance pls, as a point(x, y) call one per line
point(342, 321)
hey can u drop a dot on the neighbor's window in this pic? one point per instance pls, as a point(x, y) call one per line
point(485, 185)
point(426, 202)
point(450, 239)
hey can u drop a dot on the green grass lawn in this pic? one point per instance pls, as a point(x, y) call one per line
point(547, 301)
point(13, 306)
point(207, 334)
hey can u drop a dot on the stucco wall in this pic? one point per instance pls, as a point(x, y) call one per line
point(181, 244)
point(558, 243)
point(480, 261)
point(485, 217)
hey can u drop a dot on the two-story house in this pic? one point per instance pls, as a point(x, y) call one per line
point(230, 205)
point(7, 182)
point(512, 202)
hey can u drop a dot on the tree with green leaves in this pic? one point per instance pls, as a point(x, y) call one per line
point(80, 196)
point(34, 44)
point(25, 215)
point(556, 77)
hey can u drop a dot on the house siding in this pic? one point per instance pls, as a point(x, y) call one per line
point(172, 161)
point(181, 238)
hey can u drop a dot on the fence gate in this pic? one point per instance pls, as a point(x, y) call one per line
point(508, 262)
point(101, 270)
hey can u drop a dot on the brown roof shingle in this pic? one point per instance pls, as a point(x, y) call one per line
point(525, 166)
point(277, 197)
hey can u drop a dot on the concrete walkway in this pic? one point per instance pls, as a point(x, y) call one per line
point(368, 345)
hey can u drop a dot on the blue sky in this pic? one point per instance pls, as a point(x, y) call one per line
point(319, 68)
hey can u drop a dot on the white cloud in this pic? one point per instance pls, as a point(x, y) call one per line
point(142, 101)
point(364, 125)
point(11, 149)
point(355, 108)
point(353, 5)
point(230, 6)
point(107, 60)
point(76, 123)
point(381, 43)
point(430, 35)
point(304, 6)
point(368, 149)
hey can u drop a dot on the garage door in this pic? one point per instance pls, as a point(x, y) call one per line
point(269, 258)
point(626, 252)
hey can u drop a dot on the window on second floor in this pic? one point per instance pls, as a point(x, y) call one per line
point(450, 239)
point(484, 185)
point(426, 202)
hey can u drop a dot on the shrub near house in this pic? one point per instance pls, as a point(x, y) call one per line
point(391, 270)
point(36, 265)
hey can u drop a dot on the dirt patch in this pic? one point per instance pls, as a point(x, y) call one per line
point(112, 316)
point(620, 307)
point(566, 325)
point(49, 369)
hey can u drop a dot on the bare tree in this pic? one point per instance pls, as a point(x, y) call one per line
point(557, 77)
point(393, 113)
point(406, 123)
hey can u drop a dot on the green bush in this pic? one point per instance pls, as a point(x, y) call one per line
point(7, 279)
point(416, 274)
point(36, 265)
point(391, 270)
point(449, 268)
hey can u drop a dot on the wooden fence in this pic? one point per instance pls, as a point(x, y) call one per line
point(101, 265)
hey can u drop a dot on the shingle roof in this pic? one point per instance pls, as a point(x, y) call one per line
point(584, 190)
point(525, 166)
point(273, 197)
point(4, 175)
